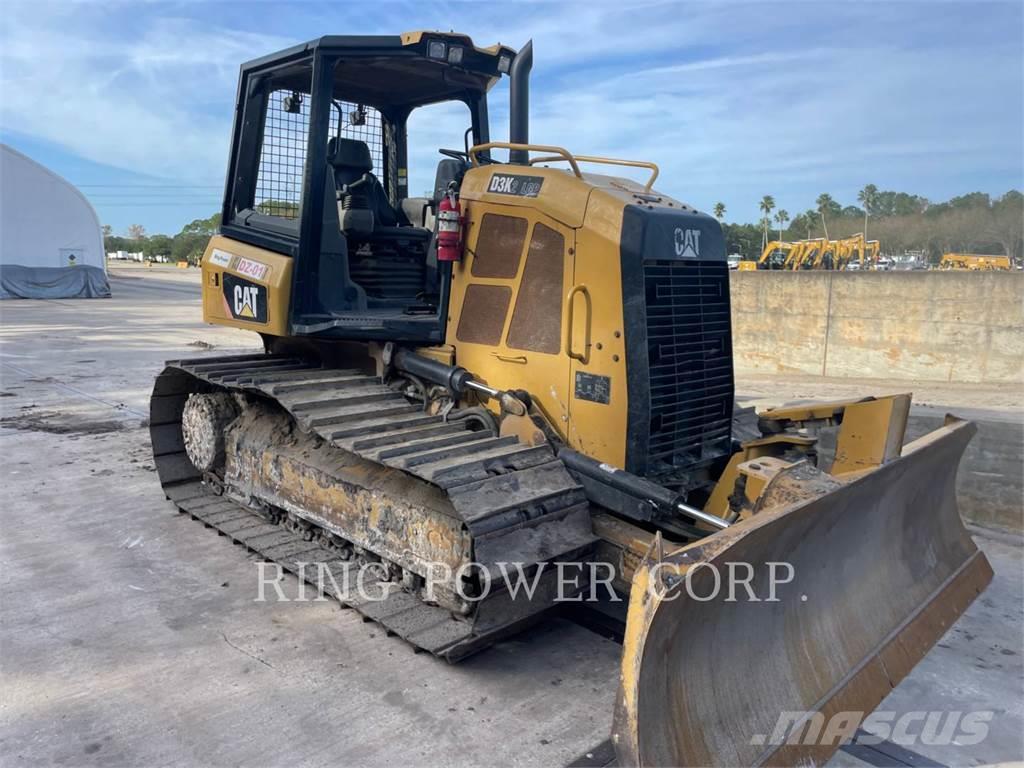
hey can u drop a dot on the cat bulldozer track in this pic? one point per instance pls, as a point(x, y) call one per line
point(531, 366)
point(482, 498)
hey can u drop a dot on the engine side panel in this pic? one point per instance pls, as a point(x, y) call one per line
point(599, 404)
point(508, 315)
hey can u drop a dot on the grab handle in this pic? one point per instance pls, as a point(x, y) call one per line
point(571, 302)
point(521, 359)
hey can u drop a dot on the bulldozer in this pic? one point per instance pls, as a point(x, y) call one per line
point(532, 365)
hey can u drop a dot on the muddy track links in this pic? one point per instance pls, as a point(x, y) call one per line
point(513, 502)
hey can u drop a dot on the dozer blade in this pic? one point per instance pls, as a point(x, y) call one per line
point(882, 567)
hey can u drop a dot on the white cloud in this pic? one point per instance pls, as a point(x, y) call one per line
point(736, 101)
point(69, 75)
point(739, 127)
point(733, 101)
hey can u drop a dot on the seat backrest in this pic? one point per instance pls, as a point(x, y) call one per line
point(350, 157)
point(448, 170)
point(351, 164)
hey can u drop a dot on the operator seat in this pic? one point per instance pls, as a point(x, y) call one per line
point(387, 256)
point(363, 205)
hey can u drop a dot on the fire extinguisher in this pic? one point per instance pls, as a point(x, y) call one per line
point(449, 227)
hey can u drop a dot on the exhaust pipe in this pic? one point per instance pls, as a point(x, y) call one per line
point(519, 104)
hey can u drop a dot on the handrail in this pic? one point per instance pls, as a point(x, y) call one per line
point(609, 161)
point(563, 154)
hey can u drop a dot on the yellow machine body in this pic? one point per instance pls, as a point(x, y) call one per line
point(538, 299)
point(542, 301)
point(522, 312)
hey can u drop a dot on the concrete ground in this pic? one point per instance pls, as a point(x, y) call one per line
point(129, 635)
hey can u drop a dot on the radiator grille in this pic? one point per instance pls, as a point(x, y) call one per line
point(690, 357)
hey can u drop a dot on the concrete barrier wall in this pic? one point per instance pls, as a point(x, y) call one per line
point(990, 483)
point(933, 326)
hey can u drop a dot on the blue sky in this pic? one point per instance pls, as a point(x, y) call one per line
point(132, 101)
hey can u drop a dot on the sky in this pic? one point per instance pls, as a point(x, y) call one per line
point(133, 101)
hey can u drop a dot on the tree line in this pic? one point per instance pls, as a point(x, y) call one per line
point(901, 222)
point(188, 245)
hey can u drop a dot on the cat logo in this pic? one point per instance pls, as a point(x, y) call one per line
point(688, 243)
point(245, 300)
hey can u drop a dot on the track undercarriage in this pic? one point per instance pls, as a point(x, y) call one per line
point(338, 477)
point(413, 517)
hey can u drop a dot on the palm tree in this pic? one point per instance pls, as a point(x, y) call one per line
point(867, 197)
point(824, 202)
point(767, 206)
point(719, 211)
point(781, 218)
point(809, 216)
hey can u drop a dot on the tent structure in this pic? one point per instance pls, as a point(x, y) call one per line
point(51, 245)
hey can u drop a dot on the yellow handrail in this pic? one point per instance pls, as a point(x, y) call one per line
point(608, 161)
point(567, 156)
point(563, 154)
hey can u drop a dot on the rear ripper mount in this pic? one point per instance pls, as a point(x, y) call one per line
point(329, 469)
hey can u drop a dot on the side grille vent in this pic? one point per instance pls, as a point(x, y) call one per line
point(689, 348)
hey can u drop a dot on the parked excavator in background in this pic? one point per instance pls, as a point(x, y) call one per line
point(856, 250)
point(820, 253)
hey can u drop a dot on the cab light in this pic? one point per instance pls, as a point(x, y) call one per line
point(437, 49)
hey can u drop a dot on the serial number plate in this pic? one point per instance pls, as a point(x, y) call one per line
point(596, 389)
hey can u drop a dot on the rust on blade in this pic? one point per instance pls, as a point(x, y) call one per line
point(882, 567)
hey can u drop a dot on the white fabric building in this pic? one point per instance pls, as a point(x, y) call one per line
point(51, 244)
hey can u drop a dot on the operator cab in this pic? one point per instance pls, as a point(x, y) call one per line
point(320, 171)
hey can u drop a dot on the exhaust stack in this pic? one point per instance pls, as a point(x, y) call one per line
point(519, 104)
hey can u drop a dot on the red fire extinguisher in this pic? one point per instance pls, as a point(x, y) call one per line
point(449, 227)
